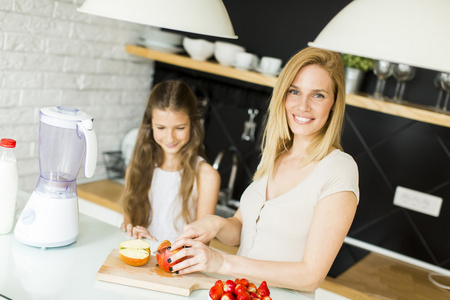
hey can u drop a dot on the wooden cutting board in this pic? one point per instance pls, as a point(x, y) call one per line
point(151, 276)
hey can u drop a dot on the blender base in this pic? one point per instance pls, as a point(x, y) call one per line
point(48, 222)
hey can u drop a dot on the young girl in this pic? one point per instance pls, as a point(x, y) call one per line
point(168, 183)
point(294, 216)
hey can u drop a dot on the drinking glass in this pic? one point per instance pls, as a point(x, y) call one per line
point(445, 84)
point(383, 70)
point(402, 74)
point(437, 84)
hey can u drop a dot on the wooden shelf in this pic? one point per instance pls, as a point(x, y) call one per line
point(406, 110)
point(204, 66)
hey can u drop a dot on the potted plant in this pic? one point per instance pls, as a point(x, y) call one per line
point(355, 69)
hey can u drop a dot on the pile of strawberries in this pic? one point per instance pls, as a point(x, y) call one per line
point(239, 289)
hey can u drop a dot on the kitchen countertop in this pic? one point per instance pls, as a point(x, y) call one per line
point(106, 193)
point(374, 277)
point(69, 272)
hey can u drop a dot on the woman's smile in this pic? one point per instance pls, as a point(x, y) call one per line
point(302, 120)
point(309, 100)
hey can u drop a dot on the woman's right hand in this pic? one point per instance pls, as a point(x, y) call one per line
point(203, 230)
point(198, 257)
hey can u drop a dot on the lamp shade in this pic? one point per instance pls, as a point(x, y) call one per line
point(208, 17)
point(412, 32)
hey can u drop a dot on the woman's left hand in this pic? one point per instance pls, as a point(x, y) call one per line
point(198, 257)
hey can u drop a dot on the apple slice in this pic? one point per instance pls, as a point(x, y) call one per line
point(134, 252)
point(136, 244)
point(133, 257)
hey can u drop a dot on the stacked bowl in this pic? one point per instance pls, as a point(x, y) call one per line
point(163, 41)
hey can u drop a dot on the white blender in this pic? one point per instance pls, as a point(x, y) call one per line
point(50, 218)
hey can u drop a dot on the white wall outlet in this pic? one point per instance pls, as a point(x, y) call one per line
point(418, 201)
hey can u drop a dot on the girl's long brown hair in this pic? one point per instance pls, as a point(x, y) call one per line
point(147, 154)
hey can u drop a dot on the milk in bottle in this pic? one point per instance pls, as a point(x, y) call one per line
point(9, 181)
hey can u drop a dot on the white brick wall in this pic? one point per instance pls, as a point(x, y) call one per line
point(51, 54)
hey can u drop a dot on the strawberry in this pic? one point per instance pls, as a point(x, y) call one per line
point(243, 296)
point(251, 287)
point(227, 296)
point(266, 298)
point(263, 290)
point(215, 292)
point(236, 280)
point(243, 281)
point(228, 286)
point(255, 295)
point(240, 288)
point(219, 283)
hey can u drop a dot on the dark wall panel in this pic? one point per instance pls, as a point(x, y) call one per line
point(389, 150)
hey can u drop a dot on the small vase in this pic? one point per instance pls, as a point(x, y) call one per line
point(353, 80)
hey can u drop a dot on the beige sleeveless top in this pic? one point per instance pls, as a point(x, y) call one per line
point(284, 222)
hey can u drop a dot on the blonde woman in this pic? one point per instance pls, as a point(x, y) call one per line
point(168, 183)
point(296, 213)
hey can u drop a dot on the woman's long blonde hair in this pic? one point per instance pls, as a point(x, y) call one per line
point(147, 155)
point(278, 137)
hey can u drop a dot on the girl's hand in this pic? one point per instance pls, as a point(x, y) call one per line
point(127, 227)
point(203, 230)
point(138, 232)
point(199, 257)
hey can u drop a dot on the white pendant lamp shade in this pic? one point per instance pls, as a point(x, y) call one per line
point(412, 32)
point(208, 17)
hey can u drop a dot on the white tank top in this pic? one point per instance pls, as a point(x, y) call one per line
point(166, 204)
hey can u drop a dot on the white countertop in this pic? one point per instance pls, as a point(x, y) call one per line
point(69, 272)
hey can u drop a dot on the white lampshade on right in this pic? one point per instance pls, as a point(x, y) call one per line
point(411, 32)
point(208, 17)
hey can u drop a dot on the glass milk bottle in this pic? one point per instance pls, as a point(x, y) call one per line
point(9, 183)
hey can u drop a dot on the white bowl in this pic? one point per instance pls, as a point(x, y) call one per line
point(225, 53)
point(162, 36)
point(198, 49)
